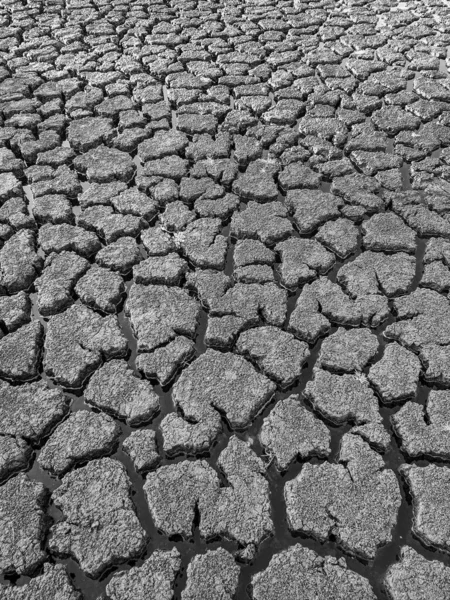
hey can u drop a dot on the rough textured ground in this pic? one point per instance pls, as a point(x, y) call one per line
point(224, 311)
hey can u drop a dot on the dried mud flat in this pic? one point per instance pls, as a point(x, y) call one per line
point(224, 314)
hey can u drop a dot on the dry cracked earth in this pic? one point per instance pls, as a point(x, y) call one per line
point(224, 314)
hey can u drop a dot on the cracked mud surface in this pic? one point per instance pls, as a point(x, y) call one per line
point(224, 299)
